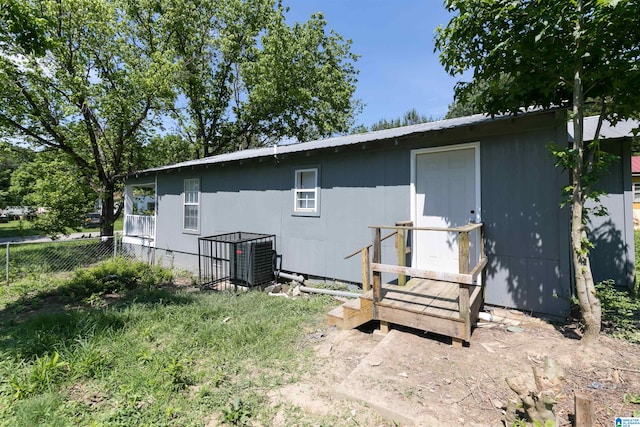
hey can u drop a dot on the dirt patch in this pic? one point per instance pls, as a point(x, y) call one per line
point(411, 378)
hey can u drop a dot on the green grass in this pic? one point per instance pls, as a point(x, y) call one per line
point(25, 229)
point(151, 356)
point(17, 229)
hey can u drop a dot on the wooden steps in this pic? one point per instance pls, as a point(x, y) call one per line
point(352, 313)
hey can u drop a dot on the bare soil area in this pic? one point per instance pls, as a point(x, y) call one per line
point(411, 378)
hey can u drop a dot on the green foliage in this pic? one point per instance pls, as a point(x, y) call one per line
point(566, 158)
point(11, 158)
point(107, 69)
point(237, 414)
point(52, 182)
point(519, 422)
point(25, 228)
point(176, 371)
point(620, 311)
point(632, 398)
point(19, 21)
point(250, 78)
point(42, 374)
point(411, 117)
point(17, 228)
point(525, 53)
point(166, 150)
point(113, 276)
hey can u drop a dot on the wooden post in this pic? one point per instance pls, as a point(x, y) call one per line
point(483, 275)
point(384, 327)
point(401, 248)
point(377, 276)
point(465, 309)
point(481, 237)
point(464, 290)
point(366, 283)
point(463, 252)
point(583, 410)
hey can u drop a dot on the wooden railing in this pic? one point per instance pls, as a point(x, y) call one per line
point(464, 278)
point(402, 251)
point(139, 225)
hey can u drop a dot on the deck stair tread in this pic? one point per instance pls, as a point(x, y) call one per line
point(352, 313)
point(337, 312)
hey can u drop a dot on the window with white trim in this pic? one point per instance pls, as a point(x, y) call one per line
point(306, 190)
point(191, 204)
point(636, 192)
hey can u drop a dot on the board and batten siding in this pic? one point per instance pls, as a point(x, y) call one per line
point(527, 234)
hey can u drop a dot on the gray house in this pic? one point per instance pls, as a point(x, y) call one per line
point(319, 198)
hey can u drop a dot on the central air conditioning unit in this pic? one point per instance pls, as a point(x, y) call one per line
point(239, 258)
point(251, 263)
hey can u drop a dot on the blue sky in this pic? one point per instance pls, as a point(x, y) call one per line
point(398, 68)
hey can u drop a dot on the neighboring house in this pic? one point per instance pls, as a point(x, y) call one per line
point(319, 198)
point(24, 212)
point(635, 173)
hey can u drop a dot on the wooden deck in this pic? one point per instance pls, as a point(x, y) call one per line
point(444, 303)
point(427, 305)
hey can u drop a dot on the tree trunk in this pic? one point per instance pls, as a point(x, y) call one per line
point(108, 212)
point(585, 287)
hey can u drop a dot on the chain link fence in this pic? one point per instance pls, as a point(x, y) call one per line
point(19, 260)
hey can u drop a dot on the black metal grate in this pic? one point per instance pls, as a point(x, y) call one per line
point(240, 258)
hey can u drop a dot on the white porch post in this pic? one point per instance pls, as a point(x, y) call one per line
point(128, 206)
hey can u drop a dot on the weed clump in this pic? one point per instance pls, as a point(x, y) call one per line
point(115, 276)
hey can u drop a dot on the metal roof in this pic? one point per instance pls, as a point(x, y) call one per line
point(332, 142)
point(622, 129)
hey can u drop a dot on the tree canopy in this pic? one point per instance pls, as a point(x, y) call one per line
point(11, 158)
point(552, 53)
point(411, 117)
point(524, 53)
point(249, 79)
point(96, 80)
point(91, 91)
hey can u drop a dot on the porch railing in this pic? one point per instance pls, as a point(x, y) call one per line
point(466, 276)
point(139, 225)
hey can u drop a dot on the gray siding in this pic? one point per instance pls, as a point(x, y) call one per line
point(613, 255)
point(356, 191)
point(527, 234)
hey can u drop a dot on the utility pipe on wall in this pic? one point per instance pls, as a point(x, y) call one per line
point(294, 277)
point(329, 292)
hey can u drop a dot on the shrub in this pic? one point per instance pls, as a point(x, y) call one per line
point(115, 276)
point(620, 311)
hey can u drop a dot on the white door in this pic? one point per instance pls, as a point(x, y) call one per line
point(446, 195)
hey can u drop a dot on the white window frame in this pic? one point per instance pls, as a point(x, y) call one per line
point(297, 191)
point(187, 201)
point(636, 192)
